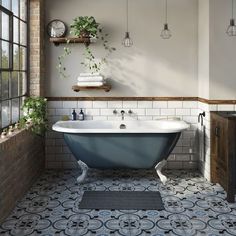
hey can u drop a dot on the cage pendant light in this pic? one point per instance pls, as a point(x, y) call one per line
point(127, 41)
point(166, 33)
point(231, 30)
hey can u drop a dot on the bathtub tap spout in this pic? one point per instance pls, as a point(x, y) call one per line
point(122, 114)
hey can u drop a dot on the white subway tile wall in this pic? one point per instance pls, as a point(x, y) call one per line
point(184, 156)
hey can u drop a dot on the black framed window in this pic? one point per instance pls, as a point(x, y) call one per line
point(13, 59)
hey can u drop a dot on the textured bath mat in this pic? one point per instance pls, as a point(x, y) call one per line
point(126, 200)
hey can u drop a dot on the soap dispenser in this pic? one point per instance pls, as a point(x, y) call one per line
point(81, 115)
point(74, 115)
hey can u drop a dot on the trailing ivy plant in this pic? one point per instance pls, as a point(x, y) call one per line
point(90, 61)
point(61, 67)
point(86, 26)
point(34, 111)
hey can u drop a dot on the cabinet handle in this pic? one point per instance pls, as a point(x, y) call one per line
point(217, 131)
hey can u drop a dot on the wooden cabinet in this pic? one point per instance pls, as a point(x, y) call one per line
point(223, 151)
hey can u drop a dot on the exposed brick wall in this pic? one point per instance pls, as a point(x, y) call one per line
point(36, 47)
point(21, 162)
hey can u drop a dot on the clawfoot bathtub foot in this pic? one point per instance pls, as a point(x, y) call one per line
point(158, 168)
point(84, 169)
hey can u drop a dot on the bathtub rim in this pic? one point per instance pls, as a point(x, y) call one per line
point(58, 128)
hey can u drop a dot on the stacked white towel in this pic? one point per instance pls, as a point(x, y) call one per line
point(92, 80)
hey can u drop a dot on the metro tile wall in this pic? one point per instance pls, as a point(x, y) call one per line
point(184, 156)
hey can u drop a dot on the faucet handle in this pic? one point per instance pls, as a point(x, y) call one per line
point(115, 112)
point(130, 112)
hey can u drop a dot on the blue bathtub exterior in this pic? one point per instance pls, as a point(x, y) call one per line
point(119, 150)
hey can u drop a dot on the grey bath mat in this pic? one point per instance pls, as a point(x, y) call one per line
point(126, 200)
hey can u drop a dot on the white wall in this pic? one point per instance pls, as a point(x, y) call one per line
point(152, 67)
point(203, 48)
point(222, 52)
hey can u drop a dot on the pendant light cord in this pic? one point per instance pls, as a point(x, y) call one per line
point(166, 12)
point(127, 15)
point(232, 9)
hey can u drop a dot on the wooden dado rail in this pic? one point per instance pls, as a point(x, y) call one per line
point(142, 99)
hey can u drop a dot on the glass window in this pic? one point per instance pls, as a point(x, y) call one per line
point(5, 26)
point(6, 4)
point(13, 60)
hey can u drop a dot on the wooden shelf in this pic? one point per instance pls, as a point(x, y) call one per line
point(58, 41)
point(105, 87)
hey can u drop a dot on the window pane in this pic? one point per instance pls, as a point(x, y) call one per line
point(15, 110)
point(5, 26)
point(4, 54)
point(23, 58)
point(15, 30)
point(23, 33)
point(22, 99)
point(6, 4)
point(5, 85)
point(23, 9)
point(22, 83)
point(0, 90)
point(16, 57)
point(5, 113)
point(15, 7)
point(14, 84)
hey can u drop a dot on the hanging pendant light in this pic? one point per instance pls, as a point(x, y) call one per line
point(231, 30)
point(127, 41)
point(166, 33)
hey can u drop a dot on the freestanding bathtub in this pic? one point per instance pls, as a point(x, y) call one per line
point(121, 144)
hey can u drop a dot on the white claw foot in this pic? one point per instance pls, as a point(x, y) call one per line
point(158, 168)
point(84, 169)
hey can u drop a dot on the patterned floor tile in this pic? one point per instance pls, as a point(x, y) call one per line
point(193, 206)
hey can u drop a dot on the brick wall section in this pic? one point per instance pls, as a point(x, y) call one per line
point(21, 162)
point(36, 47)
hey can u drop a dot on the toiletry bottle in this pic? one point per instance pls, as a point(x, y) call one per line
point(81, 115)
point(74, 115)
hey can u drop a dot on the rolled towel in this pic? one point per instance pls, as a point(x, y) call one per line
point(90, 84)
point(90, 79)
point(89, 74)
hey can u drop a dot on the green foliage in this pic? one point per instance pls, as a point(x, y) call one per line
point(90, 61)
point(60, 66)
point(81, 25)
point(84, 24)
point(34, 118)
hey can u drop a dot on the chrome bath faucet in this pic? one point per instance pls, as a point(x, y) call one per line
point(122, 114)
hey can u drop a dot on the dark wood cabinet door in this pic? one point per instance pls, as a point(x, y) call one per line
point(222, 147)
point(223, 153)
point(214, 149)
point(219, 149)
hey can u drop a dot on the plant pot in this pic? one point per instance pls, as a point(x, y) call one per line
point(84, 34)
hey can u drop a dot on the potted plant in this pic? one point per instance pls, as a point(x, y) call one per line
point(86, 26)
point(34, 110)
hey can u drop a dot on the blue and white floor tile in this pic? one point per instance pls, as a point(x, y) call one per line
point(193, 206)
